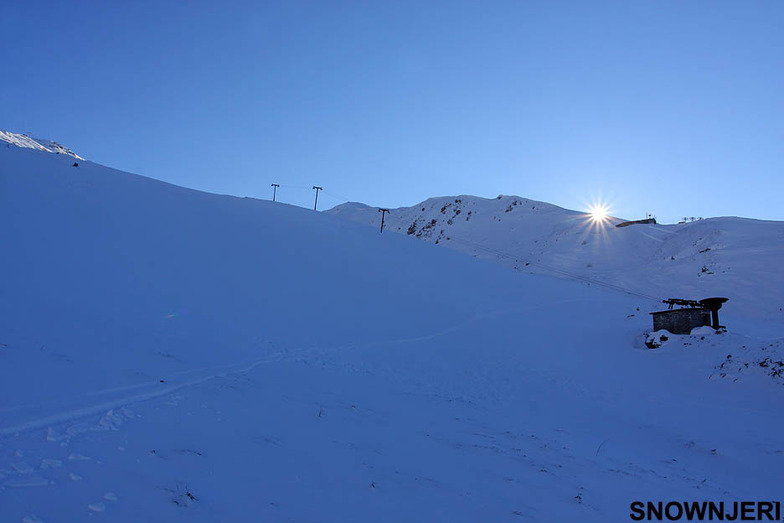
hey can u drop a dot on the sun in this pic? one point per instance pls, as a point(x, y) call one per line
point(599, 213)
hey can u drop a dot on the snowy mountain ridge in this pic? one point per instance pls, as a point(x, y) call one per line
point(172, 355)
point(711, 257)
point(24, 141)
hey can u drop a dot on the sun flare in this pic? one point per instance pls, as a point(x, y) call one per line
point(599, 213)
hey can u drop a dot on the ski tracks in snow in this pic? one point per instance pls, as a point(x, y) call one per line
point(109, 400)
point(109, 409)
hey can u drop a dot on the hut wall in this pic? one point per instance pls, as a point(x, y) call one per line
point(680, 321)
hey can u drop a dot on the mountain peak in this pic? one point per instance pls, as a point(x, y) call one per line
point(50, 146)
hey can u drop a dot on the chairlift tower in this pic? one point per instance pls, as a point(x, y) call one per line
point(383, 213)
point(315, 206)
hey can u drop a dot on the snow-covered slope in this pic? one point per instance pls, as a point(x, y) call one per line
point(22, 140)
point(733, 257)
point(171, 355)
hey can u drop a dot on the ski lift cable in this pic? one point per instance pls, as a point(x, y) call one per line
point(510, 256)
point(576, 277)
point(561, 272)
point(336, 196)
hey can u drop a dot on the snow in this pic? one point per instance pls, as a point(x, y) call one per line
point(172, 355)
point(49, 146)
point(733, 257)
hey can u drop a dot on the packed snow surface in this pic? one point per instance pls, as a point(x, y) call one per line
point(731, 257)
point(172, 355)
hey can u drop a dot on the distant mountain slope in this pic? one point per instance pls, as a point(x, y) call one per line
point(713, 257)
point(24, 141)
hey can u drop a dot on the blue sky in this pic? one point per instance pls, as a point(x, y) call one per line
point(672, 108)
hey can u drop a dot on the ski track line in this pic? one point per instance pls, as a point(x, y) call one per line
point(75, 414)
point(79, 413)
point(453, 328)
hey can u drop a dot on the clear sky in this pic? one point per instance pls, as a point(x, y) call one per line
point(670, 107)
